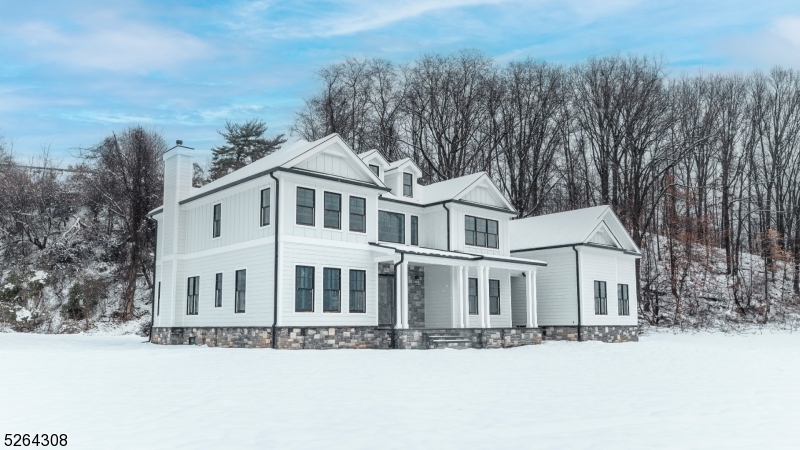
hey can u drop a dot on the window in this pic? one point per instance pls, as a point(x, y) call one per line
point(414, 230)
point(333, 208)
point(408, 185)
point(375, 169)
point(473, 296)
point(481, 232)
point(192, 296)
point(218, 291)
point(358, 214)
point(622, 295)
point(217, 219)
point(391, 227)
point(241, 285)
point(304, 289)
point(158, 300)
point(331, 290)
point(600, 303)
point(265, 207)
point(358, 291)
point(494, 297)
point(305, 206)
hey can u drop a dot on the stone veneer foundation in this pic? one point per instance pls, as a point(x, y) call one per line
point(616, 333)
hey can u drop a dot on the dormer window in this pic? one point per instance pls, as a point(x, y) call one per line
point(408, 184)
point(375, 169)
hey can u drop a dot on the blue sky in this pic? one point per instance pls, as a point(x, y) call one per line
point(72, 72)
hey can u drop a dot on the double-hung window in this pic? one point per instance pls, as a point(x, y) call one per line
point(218, 291)
point(333, 210)
point(391, 227)
point(408, 185)
point(305, 206)
point(481, 232)
point(241, 289)
point(358, 291)
point(217, 226)
point(358, 214)
point(331, 290)
point(265, 207)
point(473, 296)
point(304, 289)
point(375, 169)
point(192, 296)
point(494, 297)
point(414, 230)
point(600, 301)
point(622, 296)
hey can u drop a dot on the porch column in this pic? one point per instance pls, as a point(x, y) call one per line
point(483, 283)
point(530, 303)
point(460, 292)
point(465, 298)
point(535, 301)
point(404, 265)
point(398, 295)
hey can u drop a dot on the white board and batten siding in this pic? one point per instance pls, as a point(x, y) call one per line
point(614, 268)
point(333, 164)
point(458, 213)
point(484, 196)
point(556, 288)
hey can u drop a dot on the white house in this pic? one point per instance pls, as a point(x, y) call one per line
point(301, 249)
point(588, 289)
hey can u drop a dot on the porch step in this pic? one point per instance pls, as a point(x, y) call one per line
point(448, 340)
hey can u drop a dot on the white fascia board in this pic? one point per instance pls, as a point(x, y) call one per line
point(484, 180)
point(344, 150)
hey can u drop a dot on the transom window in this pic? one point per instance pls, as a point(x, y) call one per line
point(331, 290)
point(305, 206)
point(265, 207)
point(304, 289)
point(333, 210)
point(622, 296)
point(391, 227)
point(473, 296)
point(192, 296)
point(241, 289)
point(218, 291)
point(408, 185)
point(358, 214)
point(217, 228)
point(481, 232)
point(494, 297)
point(358, 291)
point(600, 301)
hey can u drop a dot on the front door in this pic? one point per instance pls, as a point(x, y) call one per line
point(386, 300)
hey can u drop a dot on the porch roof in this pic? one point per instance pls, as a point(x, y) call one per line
point(444, 254)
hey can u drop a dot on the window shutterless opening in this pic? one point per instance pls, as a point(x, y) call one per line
point(241, 288)
point(414, 230)
point(331, 290)
point(218, 291)
point(624, 304)
point(358, 214)
point(494, 297)
point(192, 295)
point(473, 296)
point(375, 169)
point(158, 300)
point(408, 185)
point(217, 226)
point(265, 200)
point(333, 207)
point(481, 232)
point(600, 301)
point(304, 289)
point(358, 291)
point(391, 227)
point(305, 206)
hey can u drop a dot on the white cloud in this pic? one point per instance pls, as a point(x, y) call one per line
point(776, 44)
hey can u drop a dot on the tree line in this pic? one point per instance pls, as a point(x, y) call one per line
point(701, 169)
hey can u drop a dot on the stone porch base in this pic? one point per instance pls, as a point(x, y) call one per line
point(617, 333)
point(347, 337)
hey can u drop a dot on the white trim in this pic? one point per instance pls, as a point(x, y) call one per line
point(219, 250)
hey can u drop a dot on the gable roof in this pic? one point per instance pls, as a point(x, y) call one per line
point(569, 228)
point(403, 163)
point(458, 188)
point(372, 154)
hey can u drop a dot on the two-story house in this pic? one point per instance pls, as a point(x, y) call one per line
point(314, 246)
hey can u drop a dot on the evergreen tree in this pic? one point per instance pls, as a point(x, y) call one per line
point(244, 144)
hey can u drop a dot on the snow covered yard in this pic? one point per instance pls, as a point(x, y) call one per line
point(667, 391)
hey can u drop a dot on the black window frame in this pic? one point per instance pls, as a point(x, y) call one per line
point(265, 206)
point(410, 184)
point(240, 292)
point(309, 289)
point(354, 301)
point(477, 238)
point(474, 308)
point(600, 298)
point(494, 300)
point(216, 224)
point(328, 289)
point(218, 290)
point(376, 169)
point(623, 300)
point(193, 296)
point(362, 216)
point(414, 230)
point(158, 300)
point(298, 206)
point(337, 212)
point(381, 228)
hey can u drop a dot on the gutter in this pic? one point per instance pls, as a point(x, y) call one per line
point(153, 307)
point(585, 244)
point(578, 287)
point(275, 263)
point(448, 225)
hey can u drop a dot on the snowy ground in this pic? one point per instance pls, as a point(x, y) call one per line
point(667, 391)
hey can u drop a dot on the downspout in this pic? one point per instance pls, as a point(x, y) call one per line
point(275, 263)
point(394, 315)
point(153, 310)
point(578, 287)
point(448, 225)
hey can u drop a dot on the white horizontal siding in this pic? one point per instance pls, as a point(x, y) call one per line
point(556, 287)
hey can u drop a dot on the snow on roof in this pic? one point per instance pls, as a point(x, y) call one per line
point(457, 255)
point(449, 189)
point(565, 228)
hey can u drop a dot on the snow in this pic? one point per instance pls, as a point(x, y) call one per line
point(424, 251)
point(449, 189)
point(40, 276)
point(667, 391)
point(564, 228)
